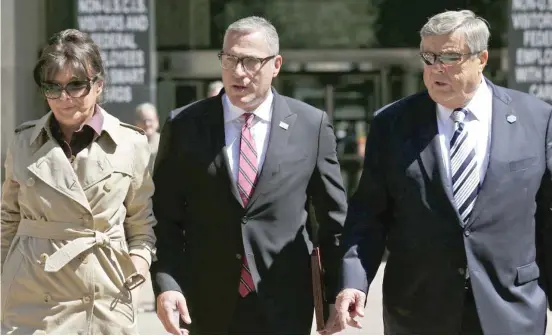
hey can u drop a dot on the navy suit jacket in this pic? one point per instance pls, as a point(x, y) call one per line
point(404, 203)
point(204, 230)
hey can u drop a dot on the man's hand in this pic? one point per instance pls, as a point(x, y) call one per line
point(349, 305)
point(331, 322)
point(171, 306)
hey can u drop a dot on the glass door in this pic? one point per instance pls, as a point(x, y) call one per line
point(350, 100)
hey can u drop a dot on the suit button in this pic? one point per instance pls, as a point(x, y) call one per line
point(244, 219)
point(86, 299)
point(30, 182)
point(462, 271)
point(238, 256)
point(467, 233)
point(107, 187)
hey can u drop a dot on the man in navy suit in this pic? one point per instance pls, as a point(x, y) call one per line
point(457, 186)
point(234, 178)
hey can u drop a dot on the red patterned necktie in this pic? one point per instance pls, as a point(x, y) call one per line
point(247, 177)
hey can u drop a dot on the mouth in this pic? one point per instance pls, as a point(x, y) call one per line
point(239, 87)
point(440, 84)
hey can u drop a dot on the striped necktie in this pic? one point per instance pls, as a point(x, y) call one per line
point(247, 178)
point(463, 164)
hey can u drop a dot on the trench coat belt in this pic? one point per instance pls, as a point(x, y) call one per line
point(80, 240)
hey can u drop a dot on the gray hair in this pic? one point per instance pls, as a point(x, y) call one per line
point(475, 28)
point(257, 24)
point(145, 107)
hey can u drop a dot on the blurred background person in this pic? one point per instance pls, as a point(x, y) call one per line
point(76, 214)
point(214, 88)
point(148, 120)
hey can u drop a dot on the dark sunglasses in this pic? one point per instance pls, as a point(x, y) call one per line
point(445, 58)
point(75, 89)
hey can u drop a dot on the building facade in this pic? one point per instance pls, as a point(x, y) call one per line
point(329, 62)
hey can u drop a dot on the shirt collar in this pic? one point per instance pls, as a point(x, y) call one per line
point(477, 105)
point(263, 111)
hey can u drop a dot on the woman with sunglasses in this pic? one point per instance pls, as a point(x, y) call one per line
point(76, 224)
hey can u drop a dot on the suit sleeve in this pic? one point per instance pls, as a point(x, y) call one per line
point(330, 205)
point(139, 221)
point(543, 219)
point(169, 208)
point(365, 230)
point(10, 215)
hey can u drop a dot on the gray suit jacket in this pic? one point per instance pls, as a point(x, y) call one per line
point(404, 203)
point(203, 229)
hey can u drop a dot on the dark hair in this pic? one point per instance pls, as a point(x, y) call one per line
point(69, 47)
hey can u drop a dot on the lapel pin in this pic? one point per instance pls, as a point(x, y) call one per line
point(284, 125)
point(511, 118)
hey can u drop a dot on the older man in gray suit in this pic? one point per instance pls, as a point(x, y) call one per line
point(457, 185)
point(233, 177)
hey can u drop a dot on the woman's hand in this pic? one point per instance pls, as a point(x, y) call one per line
point(140, 264)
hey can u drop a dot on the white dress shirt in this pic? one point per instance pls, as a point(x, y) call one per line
point(478, 125)
point(260, 131)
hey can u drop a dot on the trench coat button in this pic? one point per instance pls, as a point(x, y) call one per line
point(47, 297)
point(86, 299)
point(238, 256)
point(467, 233)
point(107, 187)
point(30, 182)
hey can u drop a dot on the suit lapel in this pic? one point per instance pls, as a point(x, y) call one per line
point(501, 131)
point(50, 165)
point(431, 155)
point(278, 139)
point(217, 144)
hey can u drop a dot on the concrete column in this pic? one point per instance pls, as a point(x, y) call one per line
point(410, 81)
point(22, 36)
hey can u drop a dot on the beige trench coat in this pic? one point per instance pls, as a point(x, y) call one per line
point(67, 230)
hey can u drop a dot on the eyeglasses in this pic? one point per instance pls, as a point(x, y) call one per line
point(249, 63)
point(75, 89)
point(445, 58)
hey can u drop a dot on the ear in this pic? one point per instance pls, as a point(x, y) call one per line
point(277, 65)
point(98, 86)
point(483, 58)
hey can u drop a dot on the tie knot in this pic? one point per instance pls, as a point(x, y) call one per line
point(459, 114)
point(248, 119)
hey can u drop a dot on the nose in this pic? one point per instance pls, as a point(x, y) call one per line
point(64, 95)
point(437, 68)
point(239, 70)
